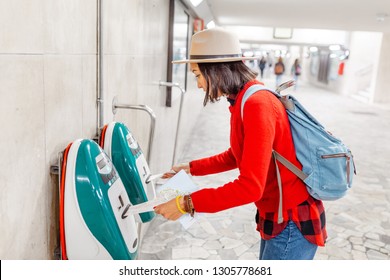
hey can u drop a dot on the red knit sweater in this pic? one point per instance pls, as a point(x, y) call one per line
point(264, 127)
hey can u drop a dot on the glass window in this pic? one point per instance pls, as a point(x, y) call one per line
point(177, 49)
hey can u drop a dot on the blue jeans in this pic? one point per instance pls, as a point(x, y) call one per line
point(288, 245)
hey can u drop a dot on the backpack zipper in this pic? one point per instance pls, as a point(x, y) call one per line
point(339, 155)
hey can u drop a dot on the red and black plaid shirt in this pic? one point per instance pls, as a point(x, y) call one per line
point(308, 216)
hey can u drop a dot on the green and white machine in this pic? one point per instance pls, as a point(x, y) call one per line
point(129, 160)
point(94, 204)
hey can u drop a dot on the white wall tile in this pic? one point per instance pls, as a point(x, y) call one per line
point(70, 26)
point(122, 26)
point(88, 88)
point(21, 26)
point(22, 149)
point(63, 102)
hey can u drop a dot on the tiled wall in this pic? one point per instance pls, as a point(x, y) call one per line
point(48, 99)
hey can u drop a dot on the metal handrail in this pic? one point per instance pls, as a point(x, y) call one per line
point(145, 108)
point(364, 71)
point(182, 91)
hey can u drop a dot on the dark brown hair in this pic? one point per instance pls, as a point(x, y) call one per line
point(228, 77)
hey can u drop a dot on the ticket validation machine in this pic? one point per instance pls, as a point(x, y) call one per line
point(94, 223)
point(129, 160)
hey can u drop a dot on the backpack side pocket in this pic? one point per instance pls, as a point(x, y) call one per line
point(335, 176)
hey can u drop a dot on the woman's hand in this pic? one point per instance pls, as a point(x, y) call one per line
point(169, 210)
point(176, 169)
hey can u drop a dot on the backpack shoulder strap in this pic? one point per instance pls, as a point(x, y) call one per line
point(251, 90)
point(290, 166)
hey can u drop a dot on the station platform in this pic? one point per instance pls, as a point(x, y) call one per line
point(358, 225)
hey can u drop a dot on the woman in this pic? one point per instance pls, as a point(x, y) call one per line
point(279, 70)
point(216, 62)
point(262, 64)
point(296, 70)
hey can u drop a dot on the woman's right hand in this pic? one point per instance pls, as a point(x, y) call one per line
point(175, 169)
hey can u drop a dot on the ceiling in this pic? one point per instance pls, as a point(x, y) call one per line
point(350, 15)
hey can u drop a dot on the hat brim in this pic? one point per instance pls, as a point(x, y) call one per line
point(214, 60)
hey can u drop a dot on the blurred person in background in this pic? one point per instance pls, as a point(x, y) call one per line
point(279, 71)
point(262, 64)
point(296, 70)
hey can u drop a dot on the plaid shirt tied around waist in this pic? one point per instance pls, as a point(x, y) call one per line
point(309, 217)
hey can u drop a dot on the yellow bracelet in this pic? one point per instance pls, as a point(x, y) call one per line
point(178, 205)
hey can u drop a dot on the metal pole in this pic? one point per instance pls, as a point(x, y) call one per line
point(99, 72)
point(152, 115)
point(182, 91)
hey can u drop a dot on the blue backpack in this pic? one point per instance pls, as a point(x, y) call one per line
point(328, 165)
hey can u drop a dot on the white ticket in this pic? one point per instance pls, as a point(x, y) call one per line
point(180, 184)
point(147, 206)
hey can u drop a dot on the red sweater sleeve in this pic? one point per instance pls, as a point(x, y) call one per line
point(252, 151)
point(219, 163)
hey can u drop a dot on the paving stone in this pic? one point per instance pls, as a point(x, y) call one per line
point(248, 256)
point(199, 253)
point(241, 249)
point(194, 241)
point(228, 232)
point(339, 242)
point(181, 253)
point(356, 240)
point(375, 242)
point(225, 223)
point(212, 245)
point(370, 245)
point(372, 235)
point(227, 254)
point(353, 233)
point(375, 255)
point(164, 255)
point(359, 255)
point(152, 248)
point(384, 251)
point(358, 247)
point(384, 238)
point(338, 254)
point(208, 227)
point(214, 257)
point(229, 243)
point(255, 247)
point(336, 228)
point(250, 228)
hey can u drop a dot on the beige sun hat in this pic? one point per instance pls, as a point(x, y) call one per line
point(214, 45)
